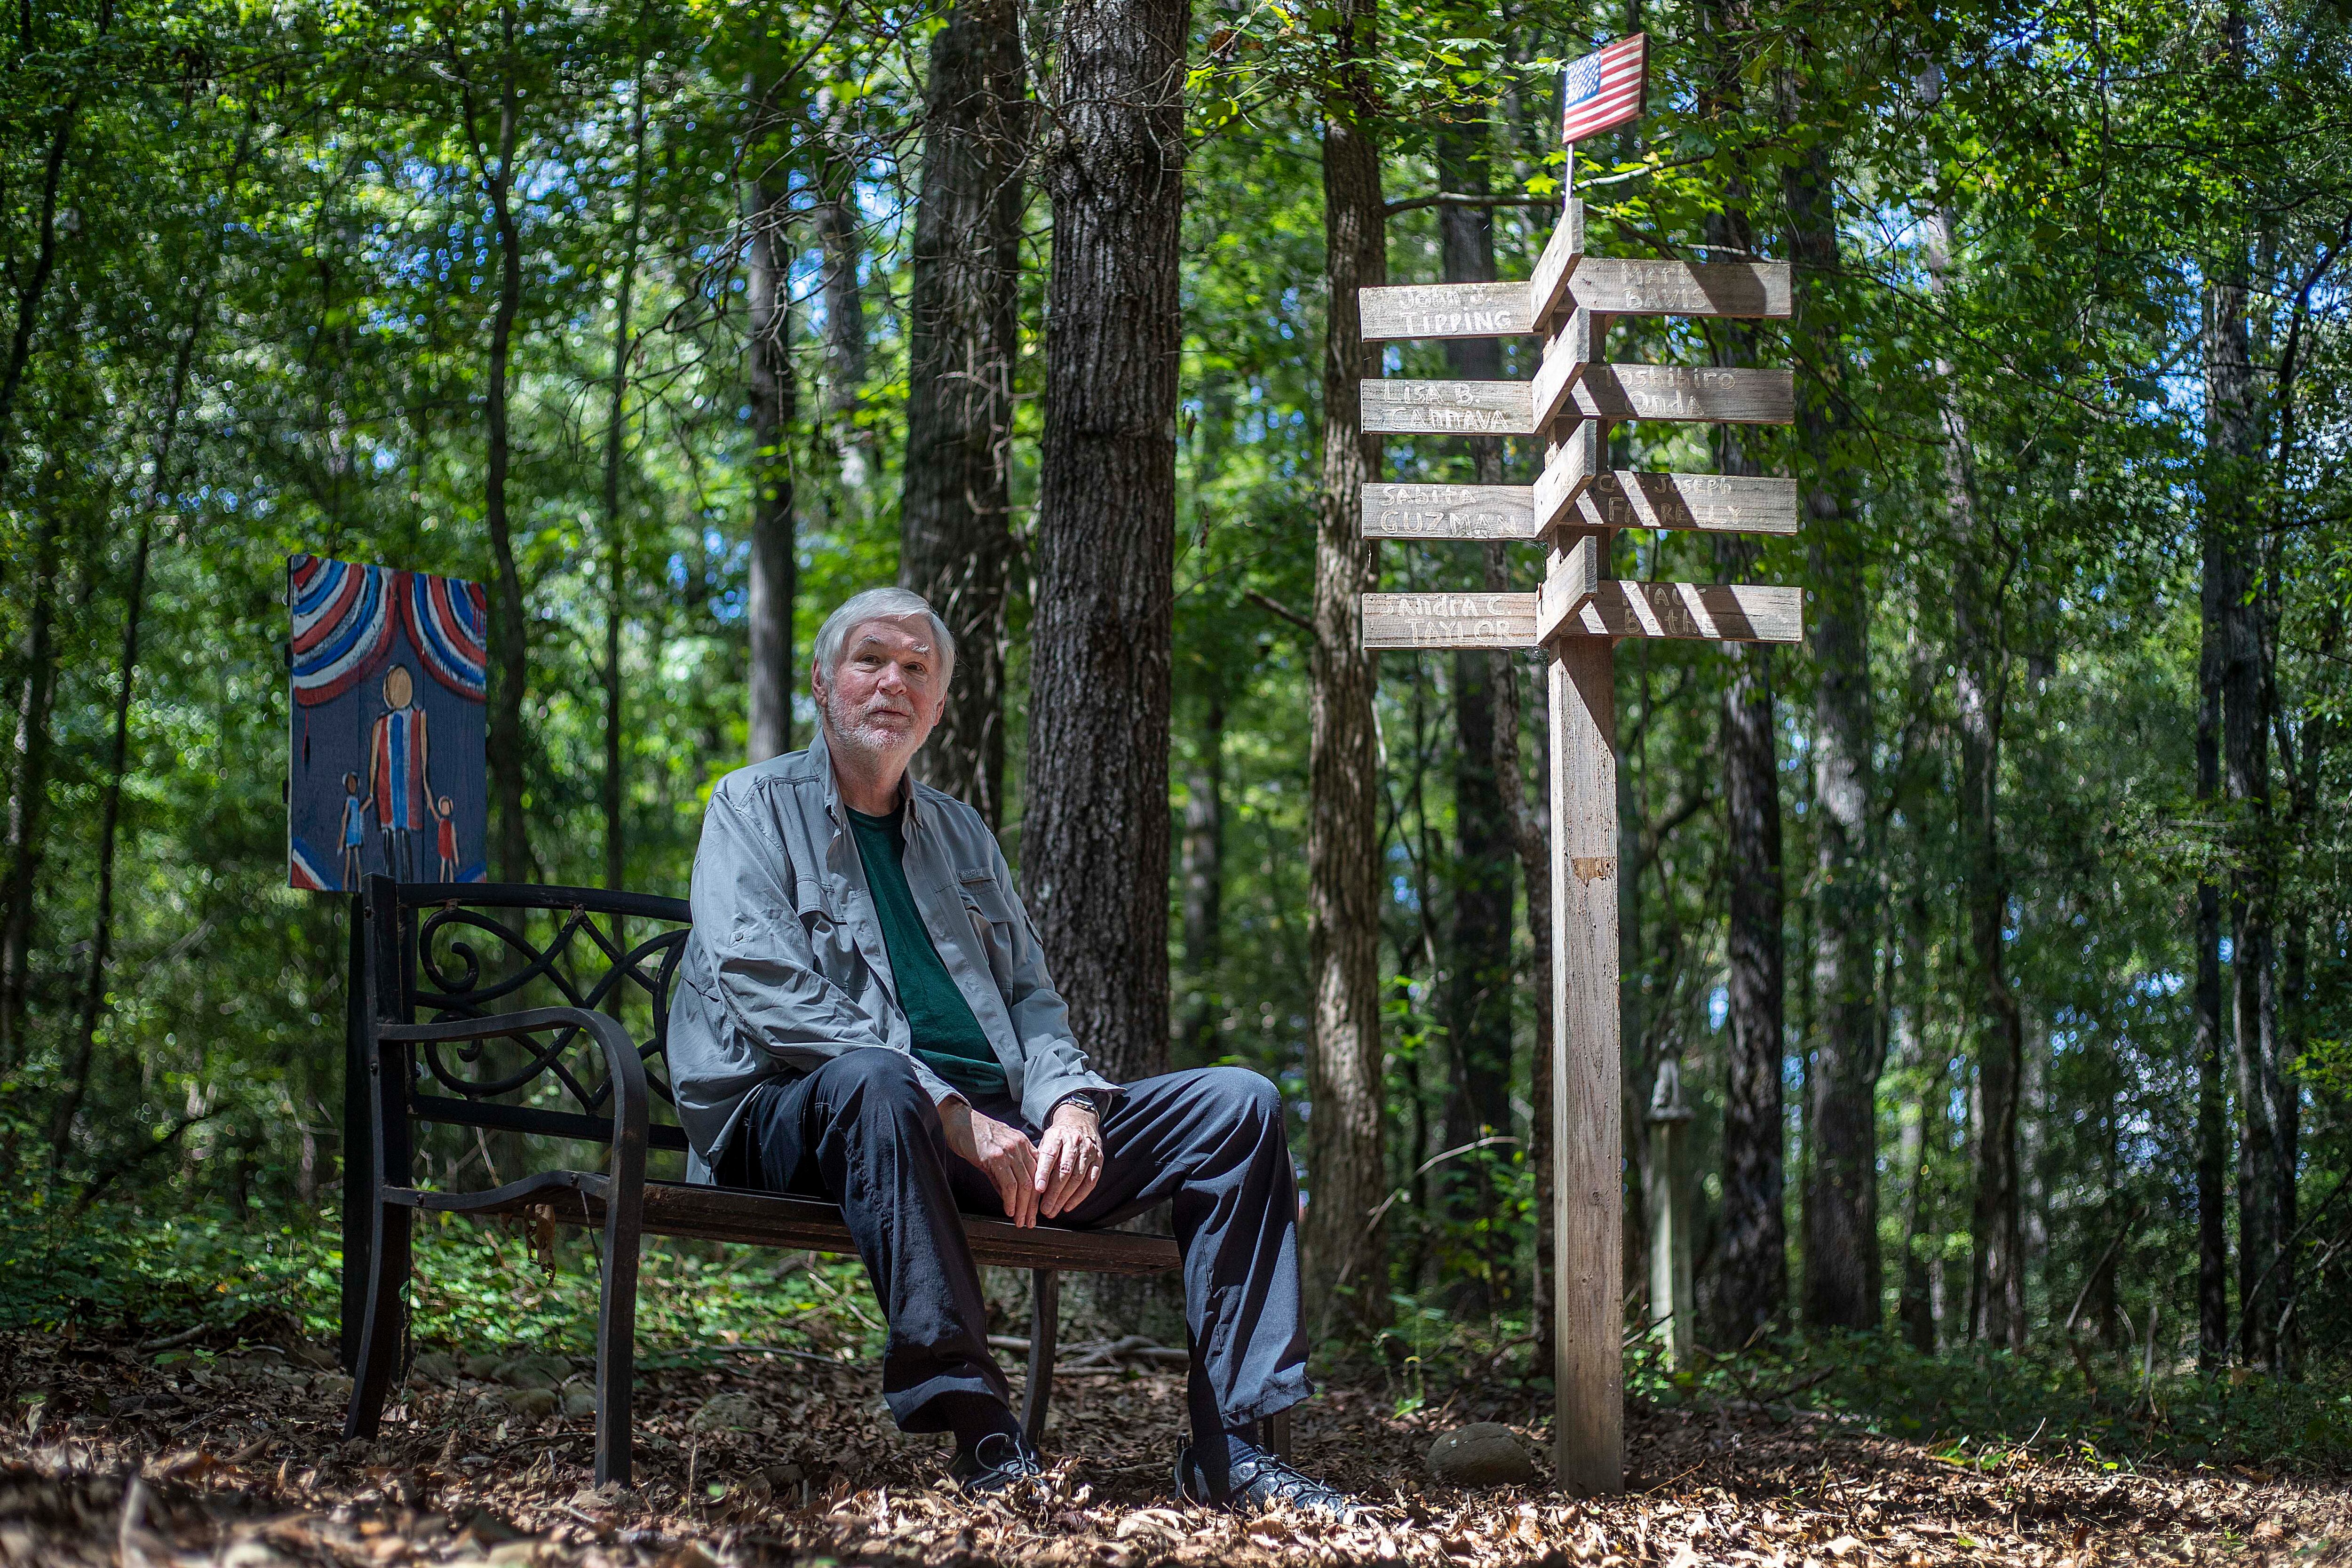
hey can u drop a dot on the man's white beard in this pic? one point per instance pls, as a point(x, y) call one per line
point(879, 747)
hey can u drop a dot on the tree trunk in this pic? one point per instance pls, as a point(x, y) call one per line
point(28, 799)
point(509, 652)
point(841, 243)
point(955, 537)
point(1094, 847)
point(1204, 885)
point(2212, 1091)
point(1841, 1262)
point(1751, 1287)
point(1921, 1139)
point(1533, 846)
point(35, 288)
point(1479, 984)
point(1998, 1277)
point(771, 676)
point(2233, 447)
point(615, 532)
point(1346, 1249)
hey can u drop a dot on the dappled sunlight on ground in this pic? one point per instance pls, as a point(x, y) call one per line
point(770, 1458)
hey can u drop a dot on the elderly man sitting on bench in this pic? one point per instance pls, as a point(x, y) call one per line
point(864, 1016)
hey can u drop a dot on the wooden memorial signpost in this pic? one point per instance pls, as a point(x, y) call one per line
point(1577, 616)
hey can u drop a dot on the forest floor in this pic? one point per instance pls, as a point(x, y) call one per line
point(151, 1457)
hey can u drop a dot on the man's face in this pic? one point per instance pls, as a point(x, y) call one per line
point(885, 695)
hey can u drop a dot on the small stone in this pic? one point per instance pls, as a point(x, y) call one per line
point(1483, 1454)
point(727, 1410)
point(434, 1366)
point(532, 1372)
point(579, 1403)
point(531, 1404)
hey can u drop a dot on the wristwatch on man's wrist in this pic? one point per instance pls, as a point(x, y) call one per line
point(1084, 1099)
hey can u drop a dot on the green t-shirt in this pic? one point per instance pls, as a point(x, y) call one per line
point(947, 1036)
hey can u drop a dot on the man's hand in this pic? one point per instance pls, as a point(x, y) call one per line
point(1004, 1154)
point(1070, 1161)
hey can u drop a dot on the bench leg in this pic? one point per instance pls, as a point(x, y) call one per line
point(378, 1352)
point(616, 1339)
point(1044, 1323)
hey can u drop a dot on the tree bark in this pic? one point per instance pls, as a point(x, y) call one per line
point(2233, 448)
point(1841, 1258)
point(1997, 1274)
point(1750, 1291)
point(1346, 1250)
point(1916, 1296)
point(35, 288)
point(841, 244)
point(28, 798)
point(1094, 846)
point(615, 529)
point(510, 653)
point(1204, 884)
point(2212, 1091)
point(955, 538)
point(1479, 979)
point(771, 676)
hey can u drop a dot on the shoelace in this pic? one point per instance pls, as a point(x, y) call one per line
point(1020, 1463)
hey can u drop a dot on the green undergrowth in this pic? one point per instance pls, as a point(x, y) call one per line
point(123, 1272)
point(1986, 1409)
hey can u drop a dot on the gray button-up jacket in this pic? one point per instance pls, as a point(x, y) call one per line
point(786, 968)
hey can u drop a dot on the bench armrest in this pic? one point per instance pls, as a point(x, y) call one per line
point(621, 1059)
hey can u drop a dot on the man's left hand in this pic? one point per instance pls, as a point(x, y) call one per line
point(1069, 1160)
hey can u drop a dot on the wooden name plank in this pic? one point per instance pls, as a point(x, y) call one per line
point(1615, 285)
point(1605, 285)
point(1563, 254)
point(1449, 620)
point(1450, 511)
point(1674, 392)
point(1706, 503)
point(1711, 503)
point(1445, 311)
point(1398, 407)
point(1735, 613)
point(1573, 577)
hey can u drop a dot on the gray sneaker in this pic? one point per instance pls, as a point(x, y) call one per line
point(1264, 1481)
point(997, 1462)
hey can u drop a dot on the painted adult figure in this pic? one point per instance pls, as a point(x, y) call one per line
point(864, 1013)
point(398, 758)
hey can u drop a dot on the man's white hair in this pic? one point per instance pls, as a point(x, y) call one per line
point(882, 603)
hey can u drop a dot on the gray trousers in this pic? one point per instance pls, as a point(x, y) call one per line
point(861, 1131)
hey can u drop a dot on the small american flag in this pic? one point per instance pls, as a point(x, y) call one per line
point(1605, 88)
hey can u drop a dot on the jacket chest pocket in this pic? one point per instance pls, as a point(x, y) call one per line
point(992, 917)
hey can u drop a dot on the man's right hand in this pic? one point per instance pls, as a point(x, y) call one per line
point(1004, 1154)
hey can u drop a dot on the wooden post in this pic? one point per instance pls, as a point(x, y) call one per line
point(1588, 1133)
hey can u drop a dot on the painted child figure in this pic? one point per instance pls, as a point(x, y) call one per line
point(354, 830)
point(444, 834)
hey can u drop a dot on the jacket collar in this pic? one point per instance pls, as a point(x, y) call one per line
point(820, 755)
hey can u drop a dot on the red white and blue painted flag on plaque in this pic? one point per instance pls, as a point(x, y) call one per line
point(1605, 88)
point(388, 774)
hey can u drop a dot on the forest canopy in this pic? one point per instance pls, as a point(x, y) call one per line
point(1990, 933)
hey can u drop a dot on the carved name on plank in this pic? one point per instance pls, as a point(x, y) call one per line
point(1449, 620)
point(1403, 408)
point(1714, 613)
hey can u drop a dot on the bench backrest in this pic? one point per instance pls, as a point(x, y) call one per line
point(442, 950)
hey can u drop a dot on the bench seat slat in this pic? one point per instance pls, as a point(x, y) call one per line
point(770, 1219)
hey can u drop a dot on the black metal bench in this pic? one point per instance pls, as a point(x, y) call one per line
point(443, 1031)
